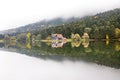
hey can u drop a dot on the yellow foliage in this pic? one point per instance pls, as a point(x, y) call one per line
point(75, 43)
point(28, 35)
point(117, 46)
point(117, 32)
point(12, 38)
point(28, 40)
point(107, 37)
point(28, 46)
point(48, 38)
point(85, 44)
point(95, 17)
point(75, 37)
point(107, 42)
point(85, 36)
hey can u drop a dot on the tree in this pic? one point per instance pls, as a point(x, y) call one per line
point(117, 32)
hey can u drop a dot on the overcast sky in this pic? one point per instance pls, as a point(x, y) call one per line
point(15, 13)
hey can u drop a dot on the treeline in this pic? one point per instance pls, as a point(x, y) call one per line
point(97, 26)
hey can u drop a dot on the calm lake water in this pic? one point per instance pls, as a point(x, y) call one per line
point(93, 61)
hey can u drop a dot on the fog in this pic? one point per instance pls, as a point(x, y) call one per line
point(15, 13)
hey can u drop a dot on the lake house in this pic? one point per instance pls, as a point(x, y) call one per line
point(58, 37)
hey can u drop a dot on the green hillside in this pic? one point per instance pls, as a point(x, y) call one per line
point(97, 26)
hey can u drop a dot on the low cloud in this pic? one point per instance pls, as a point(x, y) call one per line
point(15, 13)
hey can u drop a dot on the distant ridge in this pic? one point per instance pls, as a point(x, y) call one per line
point(40, 25)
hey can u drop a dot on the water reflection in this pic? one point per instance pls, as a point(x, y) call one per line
point(96, 52)
point(57, 44)
point(117, 46)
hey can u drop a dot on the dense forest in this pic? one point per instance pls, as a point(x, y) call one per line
point(97, 26)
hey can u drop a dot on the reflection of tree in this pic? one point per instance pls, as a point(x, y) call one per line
point(21, 37)
point(38, 37)
point(85, 44)
point(2, 45)
point(33, 40)
point(21, 45)
point(48, 43)
point(48, 39)
point(6, 44)
point(28, 45)
point(97, 52)
point(107, 42)
point(75, 43)
point(13, 42)
point(38, 43)
point(117, 46)
point(88, 50)
point(28, 40)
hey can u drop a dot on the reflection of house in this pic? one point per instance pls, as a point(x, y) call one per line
point(58, 37)
point(57, 44)
point(2, 45)
point(7, 38)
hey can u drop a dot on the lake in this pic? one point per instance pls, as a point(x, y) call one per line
point(58, 61)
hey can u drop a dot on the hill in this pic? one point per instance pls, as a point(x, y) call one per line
point(97, 26)
point(40, 25)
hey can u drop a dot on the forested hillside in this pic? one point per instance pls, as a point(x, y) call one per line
point(97, 26)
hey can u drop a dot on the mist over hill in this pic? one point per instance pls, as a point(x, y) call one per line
point(40, 25)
